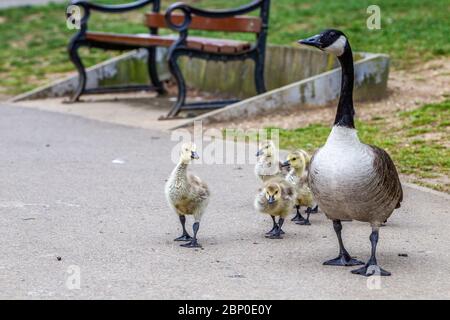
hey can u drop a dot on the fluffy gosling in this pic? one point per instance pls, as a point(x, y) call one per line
point(276, 199)
point(268, 165)
point(187, 194)
point(298, 161)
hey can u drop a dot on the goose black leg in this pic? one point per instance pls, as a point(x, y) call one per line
point(371, 267)
point(278, 232)
point(344, 258)
point(185, 236)
point(305, 222)
point(298, 217)
point(193, 243)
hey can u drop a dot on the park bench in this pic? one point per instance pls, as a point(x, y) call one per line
point(181, 18)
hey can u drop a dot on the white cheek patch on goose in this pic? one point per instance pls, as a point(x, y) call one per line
point(337, 47)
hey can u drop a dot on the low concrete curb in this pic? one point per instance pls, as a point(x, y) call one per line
point(127, 68)
point(371, 74)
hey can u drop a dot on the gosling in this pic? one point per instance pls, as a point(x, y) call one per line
point(268, 166)
point(187, 194)
point(297, 161)
point(276, 199)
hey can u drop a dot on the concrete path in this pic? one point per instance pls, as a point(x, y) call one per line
point(61, 195)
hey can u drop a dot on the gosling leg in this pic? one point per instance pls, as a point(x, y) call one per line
point(185, 236)
point(193, 243)
point(305, 222)
point(344, 258)
point(371, 267)
point(315, 209)
point(277, 234)
point(274, 228)
point(298, 217)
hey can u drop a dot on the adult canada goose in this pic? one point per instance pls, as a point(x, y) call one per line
point(268, 165)
point(276, 198)
point(350, 179)
point(187, 194)
point(297, 161)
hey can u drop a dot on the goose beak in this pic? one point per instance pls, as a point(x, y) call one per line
point(259, 153)
point(286, 164)
point(194, 155)
point(271, 200)
point(313, 41)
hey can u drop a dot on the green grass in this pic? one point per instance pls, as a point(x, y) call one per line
point(34, 39)
point(415, 154)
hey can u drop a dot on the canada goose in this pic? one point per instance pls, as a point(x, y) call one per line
point(275, 198)
point(268, 166)
point(187, 194)
point(297, 161)
point(350, 179)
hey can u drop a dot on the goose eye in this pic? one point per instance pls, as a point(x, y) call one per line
point(294, 158)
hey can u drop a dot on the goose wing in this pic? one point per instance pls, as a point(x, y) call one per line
point(386, 170)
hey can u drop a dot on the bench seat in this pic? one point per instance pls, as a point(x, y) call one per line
point(147, 40)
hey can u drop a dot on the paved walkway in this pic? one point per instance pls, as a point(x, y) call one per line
point(62, 196)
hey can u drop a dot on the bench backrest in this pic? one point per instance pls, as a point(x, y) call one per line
point(230, 24)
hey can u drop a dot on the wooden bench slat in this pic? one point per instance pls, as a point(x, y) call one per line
point(232, 24)
point(198, 43)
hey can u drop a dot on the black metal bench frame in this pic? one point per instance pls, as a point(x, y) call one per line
point(256, 53)
point(79, 40)
point(178, 49)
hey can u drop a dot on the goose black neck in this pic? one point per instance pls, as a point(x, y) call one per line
point(345, 111)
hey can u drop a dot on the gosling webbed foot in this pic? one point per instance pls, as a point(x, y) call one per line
point(370, 270)
point(191, 244)
point(297, 217)
point(273, 232)
point(314, 210)
point(275, 236)
point(303, 222)
point(184, 237)
point(344, 261)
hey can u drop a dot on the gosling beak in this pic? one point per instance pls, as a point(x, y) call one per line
point(259, 153)
point(286, 164)
point(313, 41)
point(194, 155)
point(271, 200)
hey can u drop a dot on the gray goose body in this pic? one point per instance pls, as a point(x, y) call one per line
point(353, 180)
point(350, 179)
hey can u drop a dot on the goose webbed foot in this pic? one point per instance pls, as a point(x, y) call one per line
point(371, 269)
point(184, 237)
point(343, 260)
point(315, 209)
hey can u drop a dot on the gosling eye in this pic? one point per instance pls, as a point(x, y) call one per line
point(294, 158)
point(276, 192)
